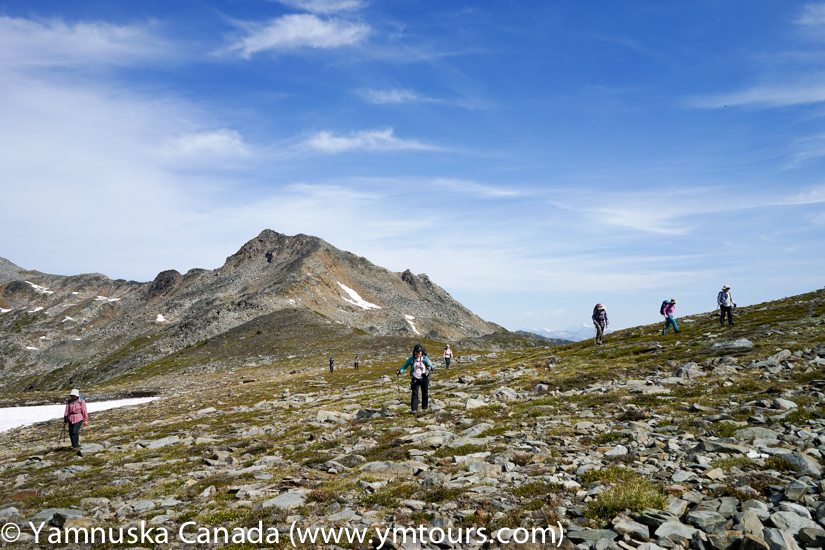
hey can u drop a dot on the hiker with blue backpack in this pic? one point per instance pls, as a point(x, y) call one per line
point(600, 321)
point(667, 308)
point(420, 369)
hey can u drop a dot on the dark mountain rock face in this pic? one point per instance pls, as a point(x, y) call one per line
point(89, 321)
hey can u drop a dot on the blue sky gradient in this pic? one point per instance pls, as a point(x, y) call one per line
point(533, 158)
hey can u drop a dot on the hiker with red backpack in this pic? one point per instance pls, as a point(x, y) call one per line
point(600, 321)
point(420, 369)
point(667, 308)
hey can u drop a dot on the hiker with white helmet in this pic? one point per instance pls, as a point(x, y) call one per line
point(75, 416)
point(600, 321)
point(420, 369)
point(725, 302)
point(667, 309)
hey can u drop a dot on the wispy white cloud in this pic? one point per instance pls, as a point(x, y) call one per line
point(325, 6)
point(812, 16)
point(301, 30)
point(394, 96)
point(54, 43)
point(477, 189)
point(787, 78)
point(364, 140)
point(220, 143)
point(677, 212)
point(778, 95)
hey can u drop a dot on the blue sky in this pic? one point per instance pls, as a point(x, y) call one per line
point(533, 158)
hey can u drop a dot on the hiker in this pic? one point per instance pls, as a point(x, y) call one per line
point(356, 362)
point(600, 321)
point(420, 368)
point(667, 309)
point(75, 416)
point(448, 355)
point(726, 305)
point(331, 364)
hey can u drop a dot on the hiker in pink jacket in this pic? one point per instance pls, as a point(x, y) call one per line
point(75, 416)
point(667, 311)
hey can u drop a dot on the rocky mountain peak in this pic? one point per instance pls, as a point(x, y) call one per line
point(273, 247)
point(53, 321)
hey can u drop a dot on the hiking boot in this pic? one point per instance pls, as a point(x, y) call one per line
point(677, 330)
point(79, 453)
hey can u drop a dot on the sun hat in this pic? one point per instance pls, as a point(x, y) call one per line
point(600, 306)
point(75, 392)
point(673, 300)
point(725, 287)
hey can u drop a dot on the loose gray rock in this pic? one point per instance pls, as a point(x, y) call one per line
point(676, 531)
point(779, 540)
point(740, 343)
point(286, 501)
point(804, 464)
point(790, 522)
point(795, 490)
point(626, 526)
point(158, 443)
point(709, 522)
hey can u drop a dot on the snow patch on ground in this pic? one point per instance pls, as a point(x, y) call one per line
point(291, 301)
point(410, 317)
point(40, 289)
point(12, 417)
point(35, 310)
point(356, 299)
point(160, 318)
point(67, 319)
point(105, 299)
point(75, 293)
point(32, 348)
point(4, 310)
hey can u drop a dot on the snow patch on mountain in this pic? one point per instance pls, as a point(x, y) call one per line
point(356, 299)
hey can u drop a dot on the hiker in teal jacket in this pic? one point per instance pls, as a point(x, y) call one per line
point(420, 368)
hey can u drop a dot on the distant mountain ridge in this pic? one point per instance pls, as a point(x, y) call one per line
point(572, 334)
point(76, 322)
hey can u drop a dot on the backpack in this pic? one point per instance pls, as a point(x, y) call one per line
point(663, 306)
point(419, 368)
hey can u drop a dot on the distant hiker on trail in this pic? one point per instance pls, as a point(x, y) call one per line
point(448, 355)
point(725, 302)
point(356, 362)
point(600, 321)
point(331, 364)
point(420, 368)
point(75, 416)
point(667, 309)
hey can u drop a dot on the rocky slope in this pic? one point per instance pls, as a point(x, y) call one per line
point(709, 439)
point(87, 328)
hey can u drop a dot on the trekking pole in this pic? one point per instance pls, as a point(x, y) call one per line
point(398, 387)
point(62, 432)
